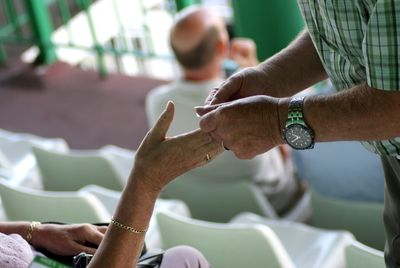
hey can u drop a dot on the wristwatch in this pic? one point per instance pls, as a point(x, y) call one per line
point(297, 133)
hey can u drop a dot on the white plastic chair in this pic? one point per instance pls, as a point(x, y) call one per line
point(22, 203)
point(16, 159)
point(308, 247)
point(219, 201)
point(122, 158)
point(16, 146)
point(226, 245)
point(110, 198)
point(73, 170)
point(90, 204)
point(359, 255)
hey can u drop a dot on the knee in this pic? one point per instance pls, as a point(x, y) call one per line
point(184, 257)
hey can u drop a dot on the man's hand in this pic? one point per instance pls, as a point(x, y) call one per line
point(248, 82)
point(244, 52)
point(69, 239)
point(248, 126)
point(295, 68)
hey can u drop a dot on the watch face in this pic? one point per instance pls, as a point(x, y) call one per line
point(299, 136)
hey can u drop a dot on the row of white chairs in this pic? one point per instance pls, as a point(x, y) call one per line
point(248, 239)
point(69, 172)
point(62, 169)
point(92, 203)
point(23, 155)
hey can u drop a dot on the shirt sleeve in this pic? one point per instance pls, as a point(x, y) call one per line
point(381, 46)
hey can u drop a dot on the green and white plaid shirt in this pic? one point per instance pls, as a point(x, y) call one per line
point(358, 41)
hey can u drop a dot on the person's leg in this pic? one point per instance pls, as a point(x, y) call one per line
point(391, 216)
point(184, 257)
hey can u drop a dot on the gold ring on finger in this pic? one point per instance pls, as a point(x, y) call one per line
point(223, 145)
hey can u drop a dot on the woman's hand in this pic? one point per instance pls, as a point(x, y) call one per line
point(160, 159)
point(68, 240)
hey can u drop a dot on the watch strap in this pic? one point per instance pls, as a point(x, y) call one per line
point(295, 112)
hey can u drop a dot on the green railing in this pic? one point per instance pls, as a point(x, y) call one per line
point(37, 17)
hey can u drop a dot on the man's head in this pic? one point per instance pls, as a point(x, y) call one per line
point(199, 39)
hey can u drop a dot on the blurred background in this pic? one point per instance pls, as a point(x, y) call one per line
point(96, 60)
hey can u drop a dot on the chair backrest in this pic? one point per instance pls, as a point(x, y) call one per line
point(16, 146)
point(27, 204)
point(72, 171)
point(225, 245)
point(308, 247)
point(218, 201)
point(359, 255)
point(121, 158)
point(363, 219)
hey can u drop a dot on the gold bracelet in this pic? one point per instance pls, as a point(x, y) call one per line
point(128, 228)
point(30, 230)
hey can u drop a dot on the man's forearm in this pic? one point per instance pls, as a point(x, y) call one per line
point(295, 68)
point(361, 113)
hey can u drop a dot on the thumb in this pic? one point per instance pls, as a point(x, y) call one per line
point(226, 91)
point(208, 122)
point(160, 128)
point(202, 110)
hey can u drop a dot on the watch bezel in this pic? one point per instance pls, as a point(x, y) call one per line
point(306, 128)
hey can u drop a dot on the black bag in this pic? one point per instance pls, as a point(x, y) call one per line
point(150, 259)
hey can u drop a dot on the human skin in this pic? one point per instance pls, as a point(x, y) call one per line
point(244, 52)
point(252, 125)
point(158, 161)
point(63, 240)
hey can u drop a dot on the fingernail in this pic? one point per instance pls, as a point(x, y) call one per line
point(196, 108)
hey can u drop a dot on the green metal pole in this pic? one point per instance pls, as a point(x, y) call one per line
point(66, 17)
point(3, 55)
point(181, 4)
point(272, 24)
point(85, 5)
point(42, 29)
point(13, 18)
point(146, 27)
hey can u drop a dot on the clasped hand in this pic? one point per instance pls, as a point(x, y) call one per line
point(247, 126)
point(241, 116)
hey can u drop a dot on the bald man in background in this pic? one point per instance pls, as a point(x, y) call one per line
point(200, 42)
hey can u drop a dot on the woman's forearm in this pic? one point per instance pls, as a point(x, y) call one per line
point(19, 227)
point(158, 161)
point(120, 247)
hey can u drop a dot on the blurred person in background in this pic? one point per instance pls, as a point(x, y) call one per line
point(201, 45)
